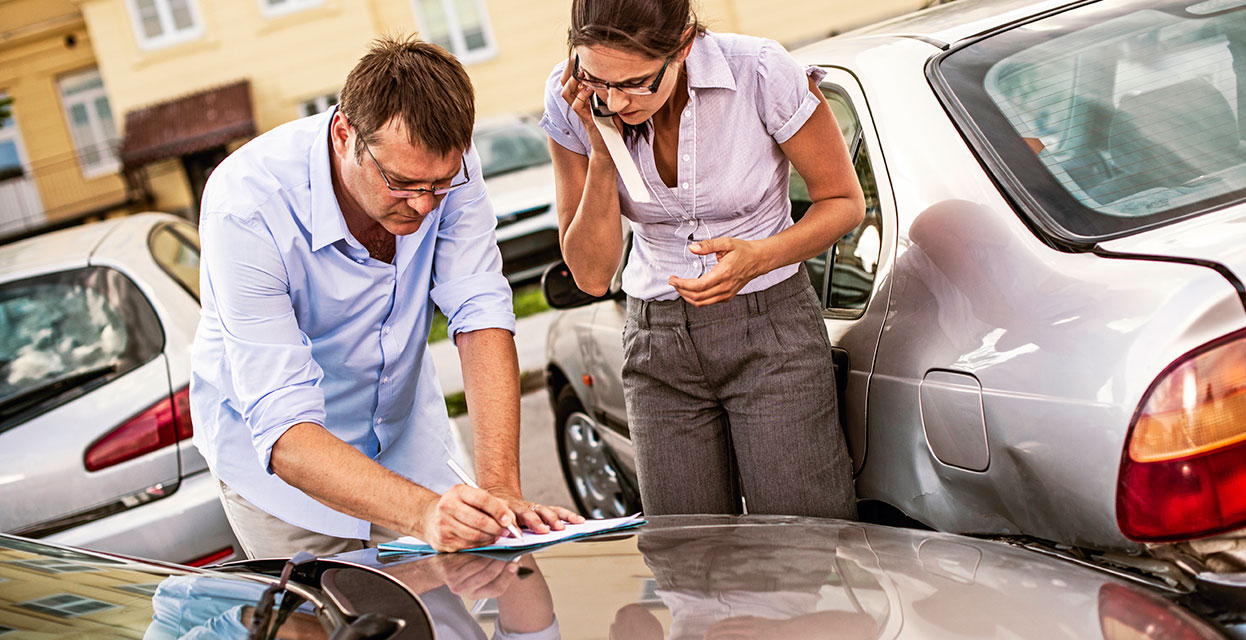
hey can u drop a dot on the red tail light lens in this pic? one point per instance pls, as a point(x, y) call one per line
point(161, 425)
point(1128, 614)
point(1183, 474)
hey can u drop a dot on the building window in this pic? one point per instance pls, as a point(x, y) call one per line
point(460, 26)
point(159, 23)
point(148, 589)
point(90, 123)
point(317, 104)
point(66, 605)
point(51, 565)
point(273, 8)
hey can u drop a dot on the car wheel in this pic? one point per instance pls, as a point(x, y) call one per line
point(596, 482)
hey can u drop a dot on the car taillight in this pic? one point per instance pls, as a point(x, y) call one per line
point(1183, 473)
point(160, 425)
point(1127, 614)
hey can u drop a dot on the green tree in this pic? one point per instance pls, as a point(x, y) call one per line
point(5, 110)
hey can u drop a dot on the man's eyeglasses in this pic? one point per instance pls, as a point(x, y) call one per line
point(413, 193)
point(633, 89)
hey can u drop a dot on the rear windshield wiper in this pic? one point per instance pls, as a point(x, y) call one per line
point(52, 388)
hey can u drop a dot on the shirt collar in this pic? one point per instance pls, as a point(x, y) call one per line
point(706, 65)
point(327, 224)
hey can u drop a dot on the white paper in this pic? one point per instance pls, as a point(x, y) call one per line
point(531, 539)
point(632, 182)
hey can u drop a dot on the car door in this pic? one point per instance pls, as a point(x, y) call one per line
point(86, 423)
point(852, 277)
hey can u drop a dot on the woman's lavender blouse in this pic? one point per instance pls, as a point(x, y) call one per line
point(746, 96)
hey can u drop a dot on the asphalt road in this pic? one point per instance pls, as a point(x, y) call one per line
point(539, 472)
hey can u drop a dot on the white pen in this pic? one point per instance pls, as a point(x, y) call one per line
point(458, 471)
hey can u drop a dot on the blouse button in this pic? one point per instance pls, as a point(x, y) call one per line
point(687, 157)
point(687, 113)
point(685, 185)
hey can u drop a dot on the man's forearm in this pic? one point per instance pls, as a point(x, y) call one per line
point(324, 467)
point(491, 382)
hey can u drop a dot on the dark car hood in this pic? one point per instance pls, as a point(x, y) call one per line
point(773, 577)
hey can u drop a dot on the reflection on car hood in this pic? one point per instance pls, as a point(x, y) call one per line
point(1217, 237)
point(775, 577)
point(521, 190)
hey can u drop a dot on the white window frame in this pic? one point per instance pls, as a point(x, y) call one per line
point(458, 44)
point(110, 160)
point(318, 103)
point(49, 605)
point(290, 6)
point(168, 36)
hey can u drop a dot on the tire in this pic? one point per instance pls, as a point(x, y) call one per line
point(597, 484)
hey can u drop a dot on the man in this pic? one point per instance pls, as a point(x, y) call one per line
point(324, 241)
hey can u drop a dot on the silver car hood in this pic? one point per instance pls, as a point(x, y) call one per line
point(1218, 237)
point(773, 576)
point(521, 190)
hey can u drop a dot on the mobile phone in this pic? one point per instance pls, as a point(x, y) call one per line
point(599, 108)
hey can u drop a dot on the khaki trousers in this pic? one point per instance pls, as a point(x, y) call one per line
point(263, 535)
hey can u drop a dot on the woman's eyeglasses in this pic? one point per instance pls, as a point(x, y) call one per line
point(633, 89)
point(413, 193)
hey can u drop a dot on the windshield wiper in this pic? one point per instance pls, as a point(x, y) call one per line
point(262, 627)
point(52, 388)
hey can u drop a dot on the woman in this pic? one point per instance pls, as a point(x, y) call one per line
point(727, 375)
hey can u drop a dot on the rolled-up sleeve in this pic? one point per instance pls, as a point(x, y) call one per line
point(783, 98)
point(559, 122)
point(468, 285)
point(274, 381)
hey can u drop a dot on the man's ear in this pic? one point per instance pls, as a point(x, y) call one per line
point(339, 134)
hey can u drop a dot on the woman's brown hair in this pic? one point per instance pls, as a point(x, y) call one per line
point(653, 28)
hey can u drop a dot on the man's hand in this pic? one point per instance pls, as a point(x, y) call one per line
point(539, 518)
point(739, 261)
point(465, 517)
point(474, 576)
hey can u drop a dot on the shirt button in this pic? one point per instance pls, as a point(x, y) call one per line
point(379, 420)
point(359, 260)
point(685, 185)
point(687, 157)
point(386, 330)
point(385, 380)
point(687, 113)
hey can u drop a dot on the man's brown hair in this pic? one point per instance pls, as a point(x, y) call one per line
point(419, 83)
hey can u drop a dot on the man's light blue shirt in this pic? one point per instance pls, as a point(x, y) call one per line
point(300, 324)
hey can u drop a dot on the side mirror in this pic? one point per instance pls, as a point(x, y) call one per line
point(560, 290)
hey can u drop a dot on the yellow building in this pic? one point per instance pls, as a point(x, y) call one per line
point(163, 62)
point(58, 148)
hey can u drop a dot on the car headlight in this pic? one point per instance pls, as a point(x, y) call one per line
point(1183, 472)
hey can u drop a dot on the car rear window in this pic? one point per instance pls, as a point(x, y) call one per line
point(1111, 117)
point(65, 333)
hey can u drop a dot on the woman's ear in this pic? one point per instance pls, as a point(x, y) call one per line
point(683, 53)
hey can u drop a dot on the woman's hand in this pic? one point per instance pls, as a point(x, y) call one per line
point(578, 97)
point(739, 261)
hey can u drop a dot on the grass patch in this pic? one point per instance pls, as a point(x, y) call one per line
point(528, 301)
point(529, 381)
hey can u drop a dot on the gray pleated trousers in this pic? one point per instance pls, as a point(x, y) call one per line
point(736, 399)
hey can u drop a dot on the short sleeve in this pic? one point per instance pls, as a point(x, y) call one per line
point(562, 126)
point(783, 96)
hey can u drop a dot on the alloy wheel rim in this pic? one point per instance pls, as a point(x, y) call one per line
point(594, 478)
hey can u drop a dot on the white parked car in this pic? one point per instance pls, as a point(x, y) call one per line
point(96, 324)
point(519, 174)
